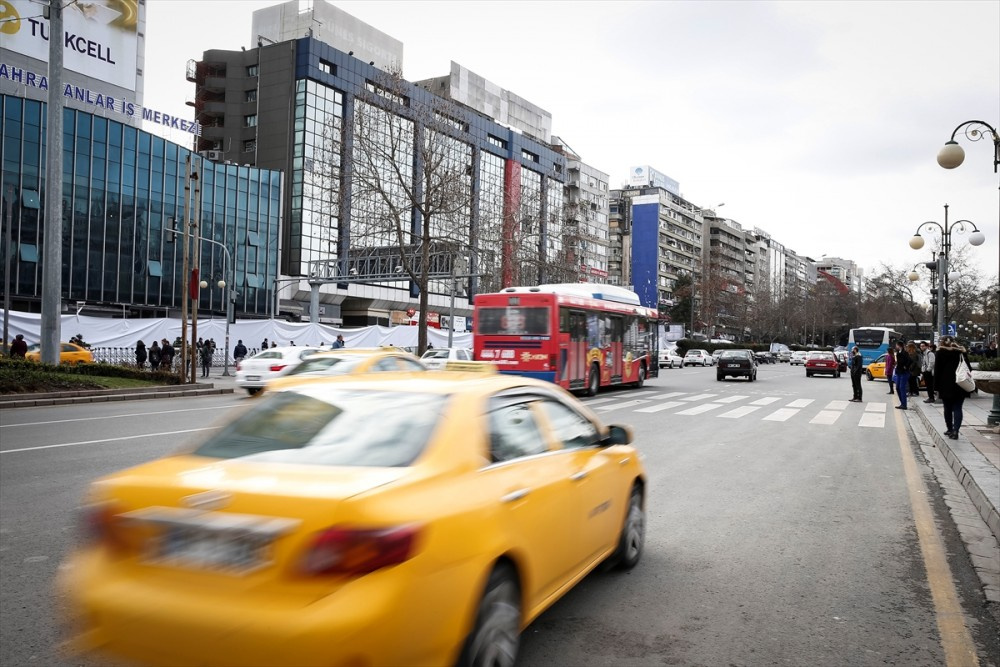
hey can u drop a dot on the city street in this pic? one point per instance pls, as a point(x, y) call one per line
point(781, 528)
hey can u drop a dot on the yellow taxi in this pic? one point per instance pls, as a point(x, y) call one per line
point(876, 371)
point(69, 353)
point(350, 361)
point(361, 520)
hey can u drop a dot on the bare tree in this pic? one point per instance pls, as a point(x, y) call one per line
point(411, 181)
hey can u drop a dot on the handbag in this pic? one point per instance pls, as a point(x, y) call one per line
point(963, 376)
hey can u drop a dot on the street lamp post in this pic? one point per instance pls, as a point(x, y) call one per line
point(932, 266)
point(976, 238)
point(7, 254)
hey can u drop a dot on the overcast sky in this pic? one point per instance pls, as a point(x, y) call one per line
point(818, 122)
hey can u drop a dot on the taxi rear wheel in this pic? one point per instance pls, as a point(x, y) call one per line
point(868, 374)
point(496, 636)
point(633, 535)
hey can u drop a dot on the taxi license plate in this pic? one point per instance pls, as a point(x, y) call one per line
point(193, 547)
point(253, 378)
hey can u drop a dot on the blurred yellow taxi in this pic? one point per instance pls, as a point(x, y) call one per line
point(876, 371)
point(358, 521)
point(69, 353)
point(353, 361)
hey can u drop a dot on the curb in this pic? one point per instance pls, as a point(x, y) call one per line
point(977, 475)
point(106, 395)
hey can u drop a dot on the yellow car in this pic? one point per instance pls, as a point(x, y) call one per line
point(350, 361)
point(422, 519)
point(70, 353)
point(876, 371)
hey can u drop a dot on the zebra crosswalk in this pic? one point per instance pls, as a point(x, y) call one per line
point(740, 406)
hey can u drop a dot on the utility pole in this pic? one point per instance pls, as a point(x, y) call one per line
point(6, 267)
point(52, 264)
point(185, 278)
point(195, 279)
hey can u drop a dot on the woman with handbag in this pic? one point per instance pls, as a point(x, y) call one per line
point(948, 362)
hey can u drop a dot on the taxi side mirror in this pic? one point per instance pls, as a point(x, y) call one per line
point(618, 435)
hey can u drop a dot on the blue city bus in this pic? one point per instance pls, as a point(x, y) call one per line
point(872, 342)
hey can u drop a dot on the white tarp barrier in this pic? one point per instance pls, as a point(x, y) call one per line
point(107, 332)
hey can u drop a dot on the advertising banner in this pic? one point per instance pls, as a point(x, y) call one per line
point(100, 39)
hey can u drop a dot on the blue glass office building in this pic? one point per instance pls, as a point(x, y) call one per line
point(122, 190)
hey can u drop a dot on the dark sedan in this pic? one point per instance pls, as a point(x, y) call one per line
point(737, 363)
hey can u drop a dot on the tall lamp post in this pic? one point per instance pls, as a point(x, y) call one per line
point(976, 238)
point(932, 266)
point(952, 155)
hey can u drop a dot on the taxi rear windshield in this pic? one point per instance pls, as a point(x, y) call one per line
point(337, 428)
point(512, 321)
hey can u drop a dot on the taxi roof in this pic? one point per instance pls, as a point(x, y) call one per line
point(435, 382)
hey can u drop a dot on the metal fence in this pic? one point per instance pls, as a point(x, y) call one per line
point(125, 356)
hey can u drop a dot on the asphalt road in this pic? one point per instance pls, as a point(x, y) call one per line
point(781, 527)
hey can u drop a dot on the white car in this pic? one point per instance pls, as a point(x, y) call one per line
point(698, 358)
point(437, 358)
point(798, 357)
point(255, 372)
point(670, 359)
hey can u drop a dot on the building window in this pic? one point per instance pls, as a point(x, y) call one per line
point(252, 70)
point(250, 95)
point(328, 68)
point(250, 121)
point(528, 155)
point(250, 146)
point(497, 141)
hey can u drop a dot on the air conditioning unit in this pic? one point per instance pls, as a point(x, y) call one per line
point(215, 156)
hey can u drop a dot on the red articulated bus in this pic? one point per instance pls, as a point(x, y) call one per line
point(581, 336)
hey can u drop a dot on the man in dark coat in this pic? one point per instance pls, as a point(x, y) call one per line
point(18, 348)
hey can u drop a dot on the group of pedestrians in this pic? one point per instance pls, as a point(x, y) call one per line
point(905, 366)
point(159, 354)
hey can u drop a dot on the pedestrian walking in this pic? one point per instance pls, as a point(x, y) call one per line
point(901, 374)
point(206, 358)
point(155, 356)
point(240, 351)
point(19, 347)
point(140, 355)
point(927, 370)
point(265, 345)
point(949, 355)
point(890, 366)
point(856, 365)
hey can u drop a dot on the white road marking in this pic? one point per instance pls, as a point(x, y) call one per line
point(594, 401)
point(800, 403)
point(783, 414)
point(837, 405)
point(94, 442)
point(698, 409)
point(669, 394)
point(625, 404)
point(698, 397)
point(826, 417)
point(739, 412)
point(731, 399)
point(875, 407)
point(87, 419)
point(661, 406)
point(872, 420)
point(767, 400)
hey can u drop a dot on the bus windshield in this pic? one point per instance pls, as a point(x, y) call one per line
point(869, 338)
point(512, 321)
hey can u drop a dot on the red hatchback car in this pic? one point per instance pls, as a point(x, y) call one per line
point(822, 362)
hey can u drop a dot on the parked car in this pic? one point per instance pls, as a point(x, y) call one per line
point(255, 372)
point(359, 521)
point(70, 354)
point(670, 359)
point(698, 358)
point(798, 358)
point(736, 363)
point(764, 357)
point(437, 358)
point(822, 362)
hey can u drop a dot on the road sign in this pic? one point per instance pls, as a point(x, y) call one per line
point(948, 330)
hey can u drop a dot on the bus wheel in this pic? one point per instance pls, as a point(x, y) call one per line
point(593, 381)
point(642, 376)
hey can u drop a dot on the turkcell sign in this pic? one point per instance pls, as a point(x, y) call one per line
point(99, 40)
point(102, 100)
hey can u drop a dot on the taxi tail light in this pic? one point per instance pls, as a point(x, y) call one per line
point(99, 524)
point(274, 368)
point(352, 551)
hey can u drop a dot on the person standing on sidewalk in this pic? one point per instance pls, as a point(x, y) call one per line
point(901, 374)
point(949, 355)
point(927, 370)
point(206, 352)
point(916, 363)
point(856, 370)
point(890, 365)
